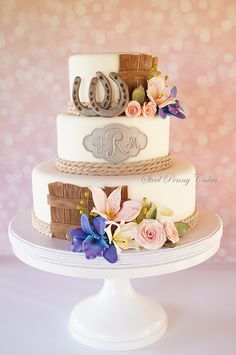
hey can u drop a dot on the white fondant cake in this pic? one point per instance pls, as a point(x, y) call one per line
point(173, 188)
point(114, 185)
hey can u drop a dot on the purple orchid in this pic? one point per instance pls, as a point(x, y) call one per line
point(91, 239)
point(173, 92)
point(174, 109)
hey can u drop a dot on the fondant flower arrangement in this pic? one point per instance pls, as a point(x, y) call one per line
point(159, 98)
point(108, 228)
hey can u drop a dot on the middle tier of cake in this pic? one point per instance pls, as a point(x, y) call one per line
point(174, 188)
point(111, 139)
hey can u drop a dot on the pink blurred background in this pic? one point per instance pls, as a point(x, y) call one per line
point(194, 41)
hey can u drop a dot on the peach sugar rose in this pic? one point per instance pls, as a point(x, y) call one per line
point(151, 234)
point(149, 109)
point(171, 232)
point(133, 109)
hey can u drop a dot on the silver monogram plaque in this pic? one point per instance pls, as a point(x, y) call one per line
point(115, 142)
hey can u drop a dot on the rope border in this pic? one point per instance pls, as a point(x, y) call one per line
point(191, 220)
point(111, 169)
point(41, 226)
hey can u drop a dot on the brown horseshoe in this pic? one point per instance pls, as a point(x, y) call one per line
point(88, 111)
point(83, 110)
point(122, 102)
point(107, 89)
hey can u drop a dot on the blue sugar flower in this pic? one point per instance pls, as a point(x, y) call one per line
point(78, 236)
point(91, 239)
point(94, 246)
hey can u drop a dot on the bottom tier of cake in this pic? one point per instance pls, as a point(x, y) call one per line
point(174, 188)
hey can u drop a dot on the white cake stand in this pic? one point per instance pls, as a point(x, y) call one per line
point(117, 317)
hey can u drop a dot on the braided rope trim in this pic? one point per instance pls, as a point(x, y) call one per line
point(192, 220)
point(111, 169)
point(45, 228)
point(41, 226)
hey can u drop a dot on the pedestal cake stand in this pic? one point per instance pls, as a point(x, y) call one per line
point(117, 317)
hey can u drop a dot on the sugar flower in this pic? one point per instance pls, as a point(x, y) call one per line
point(110, 207)
point(174, 109)
point(149, 109)
point(124, 236)
point(151, 234)
point(91, 239)
point(164, 214)
point(133, 109)
point(171, 232)
point(158, 92)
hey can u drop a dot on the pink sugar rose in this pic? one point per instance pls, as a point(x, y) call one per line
point(149, 109)
point(133, 109)
point(171, 232)
point(151, 234)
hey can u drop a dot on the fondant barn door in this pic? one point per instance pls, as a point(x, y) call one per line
point(68, 201)
point(135, 68)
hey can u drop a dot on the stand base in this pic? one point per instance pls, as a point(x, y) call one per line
point(118, 318)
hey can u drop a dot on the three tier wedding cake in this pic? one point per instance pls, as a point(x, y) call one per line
point(113, 185)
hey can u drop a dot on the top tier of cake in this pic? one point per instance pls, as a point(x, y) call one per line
point(86, 65)
point(119, 111)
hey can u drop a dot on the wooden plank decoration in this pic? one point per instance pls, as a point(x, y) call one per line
point(135, 68)
point(65, 202)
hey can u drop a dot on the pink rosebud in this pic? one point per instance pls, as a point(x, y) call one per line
point(149, 109)
point(133, 109)
point(151, 234)
point(171, 232)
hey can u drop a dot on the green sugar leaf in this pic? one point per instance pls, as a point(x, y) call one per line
point(182, 228)
point(142, 214)
point(169, 244)
point(152, 212)
point(139, 94)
